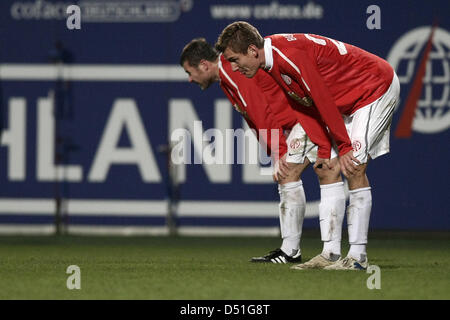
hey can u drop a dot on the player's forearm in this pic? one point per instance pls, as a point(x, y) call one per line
point(316, 130)
point(332, 118)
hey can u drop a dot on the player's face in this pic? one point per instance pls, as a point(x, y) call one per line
point(198, 75)
point(246, 64)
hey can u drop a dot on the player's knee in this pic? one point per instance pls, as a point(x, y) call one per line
point(358, 179)
point(361, 170)
point(357, 174)
point(289, 178)
point(327, 176)
point(295, 171)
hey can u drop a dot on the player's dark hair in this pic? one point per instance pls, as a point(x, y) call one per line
point(238, 36)
point(197, 50)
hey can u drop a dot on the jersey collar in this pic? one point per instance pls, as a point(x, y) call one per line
point(268, 54)
point(220, 66)
point(220, 61)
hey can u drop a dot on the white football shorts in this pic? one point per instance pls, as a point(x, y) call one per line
point(300, 146)
point(369, 126)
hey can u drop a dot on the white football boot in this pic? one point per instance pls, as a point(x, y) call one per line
point(349, 263)
point(318, 262)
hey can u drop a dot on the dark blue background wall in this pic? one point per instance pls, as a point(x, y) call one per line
point(410, 185)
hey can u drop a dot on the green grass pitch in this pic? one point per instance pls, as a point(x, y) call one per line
point(413, 266)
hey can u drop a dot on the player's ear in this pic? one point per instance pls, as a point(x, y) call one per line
point(252, 51)
point(202, 65)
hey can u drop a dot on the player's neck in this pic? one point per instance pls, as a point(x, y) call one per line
point(261, 58)
point(215, 70)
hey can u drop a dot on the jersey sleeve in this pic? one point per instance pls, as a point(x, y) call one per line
point(285, 109)
point(315, 128)
point(262, 118)
point(275, 145)
point(309, 77)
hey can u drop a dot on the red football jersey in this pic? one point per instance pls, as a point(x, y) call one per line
point(264, 106)
point(337, 78)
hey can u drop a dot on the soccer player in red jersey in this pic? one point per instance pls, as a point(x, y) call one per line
point(265, 106)
point(354, 91)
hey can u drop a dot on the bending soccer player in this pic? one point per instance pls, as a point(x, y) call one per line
point(355, 93)
point(264, 105)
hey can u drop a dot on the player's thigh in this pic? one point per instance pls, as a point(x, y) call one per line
point(295, 171)
point(300, 146)
point(369, 127)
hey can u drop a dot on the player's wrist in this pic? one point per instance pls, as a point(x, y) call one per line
point(344, 150)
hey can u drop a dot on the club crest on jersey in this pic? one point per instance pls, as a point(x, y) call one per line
point(295, 144)
point(286, 79)
point(306, 101)
point(356, 145)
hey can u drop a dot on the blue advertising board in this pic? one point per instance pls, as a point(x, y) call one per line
point(87, 115)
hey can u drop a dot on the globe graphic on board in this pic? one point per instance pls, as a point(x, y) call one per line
point(432, 113)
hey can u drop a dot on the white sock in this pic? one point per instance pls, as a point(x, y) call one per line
point(292, 212)
point(358, 216)
point(331, 215)
point(358, 251)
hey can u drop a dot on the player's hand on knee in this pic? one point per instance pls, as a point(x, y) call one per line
point(284, 166)
point(278, 175)
point(274, 177)
point(281, 169)
point(275, 171)
point(349, 164)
